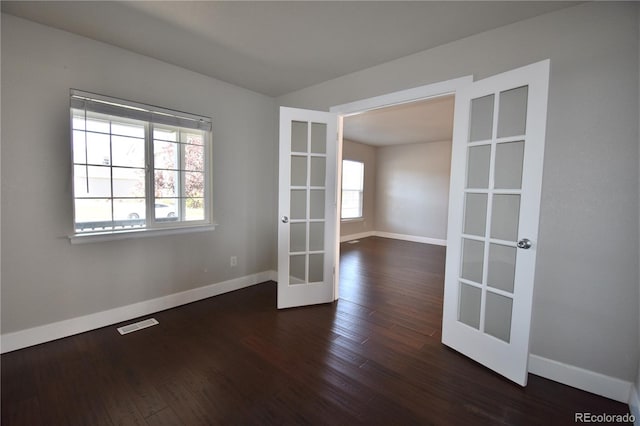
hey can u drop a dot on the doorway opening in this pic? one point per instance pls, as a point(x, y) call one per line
point(395, 125)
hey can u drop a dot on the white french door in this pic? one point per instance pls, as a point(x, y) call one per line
point(494, 205)
point(307, 207)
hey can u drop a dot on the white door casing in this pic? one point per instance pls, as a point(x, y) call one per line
point(494, 205)
point(307, 220)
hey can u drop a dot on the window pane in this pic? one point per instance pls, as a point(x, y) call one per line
point(128, 182)
point(92, 181)
point(165, 155)
point(166, 183)
point(97, 125)
point(351, 204)
point(129, 209)
point(98, 149)
point(194, 184)
point(167, 209)
point(79, 143)
point(92, 210)
point(78, 119)
point(352, 175)
point(194, 209)
point(127, 151)
point(165, 134)
point(194, 157)
point(127, 129)
point(192, 137)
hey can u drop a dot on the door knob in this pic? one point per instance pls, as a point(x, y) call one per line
point(285, 219)
point(524, 243)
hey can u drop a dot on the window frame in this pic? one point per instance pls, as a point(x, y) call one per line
point(149, 117)
point(360, 191)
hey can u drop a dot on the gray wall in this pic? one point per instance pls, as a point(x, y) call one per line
point(586, 288)
point(412, 189)
point(352, 150)
point(44, 277)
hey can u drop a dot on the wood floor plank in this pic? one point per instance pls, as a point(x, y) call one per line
point(374, 357)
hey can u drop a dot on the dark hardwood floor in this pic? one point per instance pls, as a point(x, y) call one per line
point(374, 357)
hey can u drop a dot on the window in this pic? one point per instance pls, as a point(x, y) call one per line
point(352, 187)
point(137, 167)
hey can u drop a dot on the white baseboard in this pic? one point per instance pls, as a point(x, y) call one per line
point(45, 333)
point(357, 236)
point(599, 384)
point(404, 237)
point(634, 405)
point(413, 238)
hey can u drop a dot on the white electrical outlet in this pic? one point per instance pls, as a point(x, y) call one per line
point(234, 261)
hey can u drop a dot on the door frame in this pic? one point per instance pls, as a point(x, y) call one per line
point(420, 93)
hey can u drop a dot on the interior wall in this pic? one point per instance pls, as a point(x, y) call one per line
point(366, 154)
point(585, 309)
point(45, 278)
point(412, 189)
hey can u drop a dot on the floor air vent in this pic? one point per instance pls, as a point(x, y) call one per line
point(137, 326)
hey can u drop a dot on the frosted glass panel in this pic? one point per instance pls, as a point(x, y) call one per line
point(505, 217)
point(297, 268)
point(512, 118)
point(318, 138)
point(502, 267)
point(481, 125)
point(316, 268)
point(318, 170)
point(469, 309)
point(298, 171)
point(508, 173)
point(472, 259)
point(316, 236)
point(298, 237)
point(475, 214)
point(497, 317)
point(299, 136)
point(298, 209)
point(478, 166)
point(316, 204)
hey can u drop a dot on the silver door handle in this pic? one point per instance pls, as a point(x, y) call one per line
point(285, 219)
point(524, 244)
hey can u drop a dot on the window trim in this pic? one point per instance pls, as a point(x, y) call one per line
point(150, 116)
point(92, 237)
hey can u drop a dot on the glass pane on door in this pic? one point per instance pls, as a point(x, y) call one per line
point(508, 168)
point(299, 136)
point(307, 202)
point(493, 180)
point(513, 112)
point(497, 320)
point(470, 300)
point(475, 214)
point(502, 267)
point(481, 123)
point(478, 166)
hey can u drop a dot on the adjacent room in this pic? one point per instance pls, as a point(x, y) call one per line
point(176, 247)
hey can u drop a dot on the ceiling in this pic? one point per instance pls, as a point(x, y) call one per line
point(424, 121)
point(277, 47)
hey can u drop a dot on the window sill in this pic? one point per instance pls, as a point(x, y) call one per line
point(138, 233)
point(355, 219)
